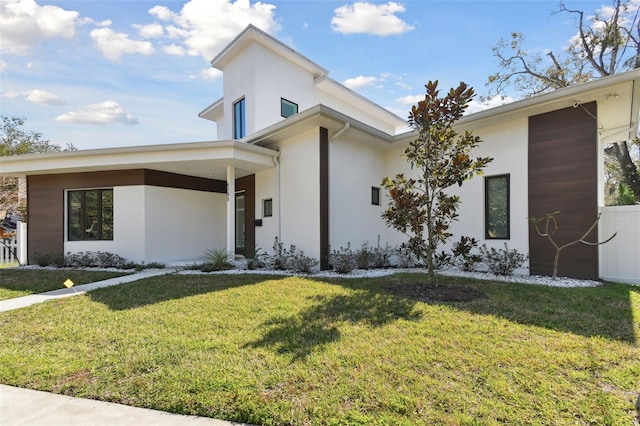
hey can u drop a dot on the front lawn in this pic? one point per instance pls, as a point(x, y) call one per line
point(23, 282)
point(289, 350)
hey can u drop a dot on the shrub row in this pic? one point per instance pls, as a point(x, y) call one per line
point(88, 259)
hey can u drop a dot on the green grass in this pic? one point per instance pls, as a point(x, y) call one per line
point(298, 351)
point(23, 282)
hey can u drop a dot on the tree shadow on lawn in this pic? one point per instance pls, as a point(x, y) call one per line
point(312, 328)
point(159, 289)
point(605, 311)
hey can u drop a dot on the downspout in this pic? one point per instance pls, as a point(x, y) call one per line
point(276, 162)
point(340, 132)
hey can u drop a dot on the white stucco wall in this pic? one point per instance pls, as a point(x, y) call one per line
point(299, 189)
point(263, 78)
point(354, 168)
point(507, 145)
point(162, 224)
point(266, 187)
point(181, 223)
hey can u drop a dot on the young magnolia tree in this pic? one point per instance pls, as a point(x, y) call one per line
point(419, 206)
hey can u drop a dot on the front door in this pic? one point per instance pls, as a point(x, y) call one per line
point(240, 223)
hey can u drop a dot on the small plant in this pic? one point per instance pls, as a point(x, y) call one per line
point(551, 218)
point(382, 255)
point(442, 260)
point(503, 261)
point(462, 255)
point(280, 258)
point(343, 260)
point(258, 259)
point(300, 263)
point(98, 259)
point(364, 257)
point(405, 256)
point(216, 260)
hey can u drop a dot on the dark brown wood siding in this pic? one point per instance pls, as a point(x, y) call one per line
point(248, 185)
point(563, 176)
point(324, 198)
point(45, 199)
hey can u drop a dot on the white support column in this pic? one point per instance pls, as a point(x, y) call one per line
point(231, 211)
point(21, 237)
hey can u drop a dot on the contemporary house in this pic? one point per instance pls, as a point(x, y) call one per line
point(300, 157)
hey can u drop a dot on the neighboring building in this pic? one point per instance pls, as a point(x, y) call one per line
point(303, 158)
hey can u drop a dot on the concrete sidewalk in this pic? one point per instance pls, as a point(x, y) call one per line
point(34, 408)
point(21, 302)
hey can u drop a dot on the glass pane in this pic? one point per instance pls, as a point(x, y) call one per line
point(107, 214)
point(238, 119)
point(497, 207)
point(288, 108)
point(92, 226)
point(74, 222)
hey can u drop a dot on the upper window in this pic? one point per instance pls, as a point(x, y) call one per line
point(239, 126)
point(375, 196)
point(496, 200)
point(287, 108)
point(90, 215)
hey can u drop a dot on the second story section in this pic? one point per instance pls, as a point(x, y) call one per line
point(266, 81)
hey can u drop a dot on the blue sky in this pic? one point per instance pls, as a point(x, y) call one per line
point(101, 74)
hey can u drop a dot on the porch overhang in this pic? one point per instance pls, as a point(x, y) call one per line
point(202, 159)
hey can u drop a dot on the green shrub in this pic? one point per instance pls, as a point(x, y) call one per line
point(364, 257)
point(405, 257)
point(47, 259)
point(382, 255)
point(503, 261)
point(216, 260)
point(300, 263)
point(462, 253)
point(280, 258)
point(343, 260)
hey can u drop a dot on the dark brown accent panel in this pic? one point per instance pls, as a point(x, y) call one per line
point(563, 177)
point(324, 198)
point(248, 185)
point(173, 180)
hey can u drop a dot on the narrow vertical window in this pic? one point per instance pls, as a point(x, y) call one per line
point(375, 196)
point(239, 119)
point(267, 207)
point(287, 108)
point(496, 200)
point(90, 215)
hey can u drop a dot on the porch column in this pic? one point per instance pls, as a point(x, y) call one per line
point(231, 212)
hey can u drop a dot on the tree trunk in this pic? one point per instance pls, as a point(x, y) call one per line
point(629, 170)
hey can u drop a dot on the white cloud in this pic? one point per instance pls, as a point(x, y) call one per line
point(107, 112)
point(410, 99)
point(403, 85)
point(204, 27)
point(3, 66)
point(174, 49)
point(113, 45)
point(494, 101)
point(36, 95)
point(25, 24)
point(368, 18)
point(42, 97)
point(359, 82)
point(210, 74)
point(154, 30)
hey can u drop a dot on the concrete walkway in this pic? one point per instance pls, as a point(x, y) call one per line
point(32, 299)
point(34, 408)
point(28, 407)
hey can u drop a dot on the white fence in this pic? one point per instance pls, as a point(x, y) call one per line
point(620, 257)
point(14, 248)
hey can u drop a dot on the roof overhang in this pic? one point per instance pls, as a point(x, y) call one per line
point(202, 159)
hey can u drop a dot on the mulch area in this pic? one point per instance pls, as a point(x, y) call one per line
point(435, 292)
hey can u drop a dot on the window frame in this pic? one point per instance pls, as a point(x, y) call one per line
point(487, 195)
point(239, 119)
point(267, 212)
point(375, 195)
point(284, 102)
point(83, 217)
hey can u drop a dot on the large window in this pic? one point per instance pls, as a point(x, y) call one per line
point(496, 196)
point(239, 125)
point(287, 108)
point(90, 215)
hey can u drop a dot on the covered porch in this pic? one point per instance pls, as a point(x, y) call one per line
point(193, 184)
